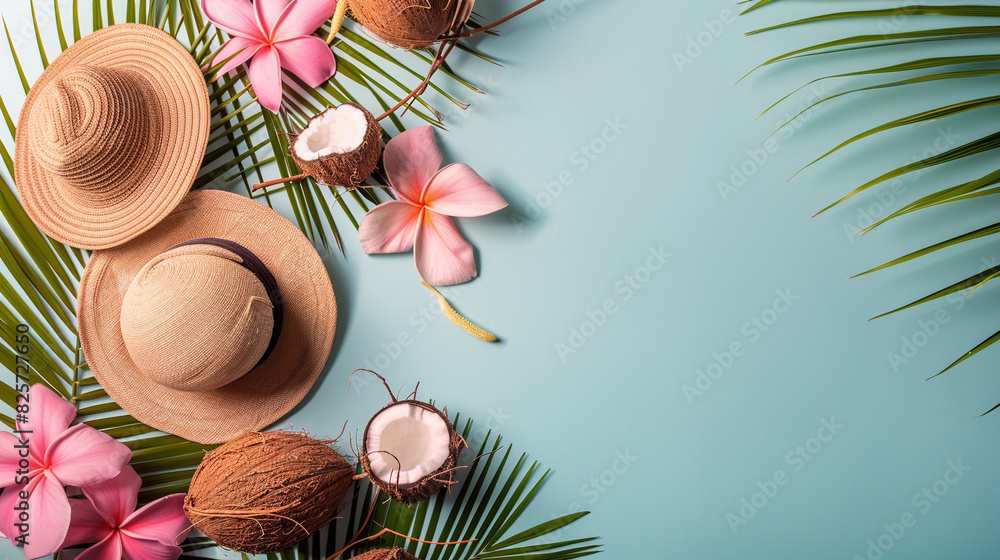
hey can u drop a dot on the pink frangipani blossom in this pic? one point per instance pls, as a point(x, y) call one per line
point(428, 197)
point(276, 35)
point(107, 519)
point(48, 456)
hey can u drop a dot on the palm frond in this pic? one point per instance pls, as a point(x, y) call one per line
point(950, 69)
point(40, 277)
point(492, 494)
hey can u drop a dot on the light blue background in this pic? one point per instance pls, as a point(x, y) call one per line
point(569, 68)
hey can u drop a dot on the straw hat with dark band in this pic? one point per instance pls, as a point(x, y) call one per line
point(111, 136)
point(217, 321)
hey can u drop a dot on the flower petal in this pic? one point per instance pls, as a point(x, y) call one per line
point(108, 549)
point(443, 256)
point(459, 191)
point(9, 499)
point(390, 227)
point(162, 521)
point(267, 13)
point(115, 499)
point(10, 458)
point(50, 511)
point(242, 48)
point(309, 58)
point(143, 549)
point(83, 456)
point(49, 415)
point(235, 17)
point(86, 526)
point(303, 17)
point(265, 75)
point(411, 160)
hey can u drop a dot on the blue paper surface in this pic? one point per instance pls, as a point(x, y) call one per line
point(680, 343)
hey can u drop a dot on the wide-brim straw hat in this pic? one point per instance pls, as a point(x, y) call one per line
point(111, 136)
point(217, 321)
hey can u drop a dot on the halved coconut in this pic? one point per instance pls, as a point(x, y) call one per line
point(340, 147)
point(408, 24)
point(410, 450)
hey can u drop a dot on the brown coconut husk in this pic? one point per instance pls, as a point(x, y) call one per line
point(427, 486)
point(266, 492)
point(386, 554)
point(410, 24)
point(349, 169)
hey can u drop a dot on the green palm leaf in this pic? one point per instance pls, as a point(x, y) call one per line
point(946, 69)
point(493, 493)
point(39, 280)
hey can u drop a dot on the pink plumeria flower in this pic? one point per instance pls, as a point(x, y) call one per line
point(57, 456)
point(276, 34)
point(428, 195)
point(107, 518)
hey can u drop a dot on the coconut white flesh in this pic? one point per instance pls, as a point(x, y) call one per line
point(418, 438)
point(339, 130)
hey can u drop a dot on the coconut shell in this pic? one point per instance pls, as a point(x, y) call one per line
point(266, 492)
point(386, 554)
point(349, 169)
point(410, 24)
point(428, 485)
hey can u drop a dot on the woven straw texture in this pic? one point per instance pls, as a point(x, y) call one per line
point(168, 331)
point(111, 136)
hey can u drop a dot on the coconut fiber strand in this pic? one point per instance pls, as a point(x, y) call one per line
point(430, 484)
point(386, 554)
point(266, 492)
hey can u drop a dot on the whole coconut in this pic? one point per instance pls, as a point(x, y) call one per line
point(266, 492)
point(410, 24)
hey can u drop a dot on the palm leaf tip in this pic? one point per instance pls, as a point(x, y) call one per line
point(945, 68)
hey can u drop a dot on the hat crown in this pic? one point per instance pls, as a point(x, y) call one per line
point(93, 129)
point(195, 319)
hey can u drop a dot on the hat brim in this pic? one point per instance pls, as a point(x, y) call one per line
point(272, 388)
point(181, 99)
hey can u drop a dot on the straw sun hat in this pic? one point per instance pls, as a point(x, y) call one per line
point(217, 321)
point(111, 136)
